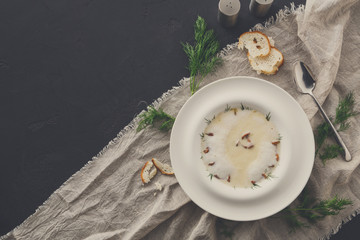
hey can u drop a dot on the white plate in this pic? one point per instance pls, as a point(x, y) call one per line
point(296, 153)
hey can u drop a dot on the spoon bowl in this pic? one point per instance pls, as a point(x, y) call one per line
point(304, 78)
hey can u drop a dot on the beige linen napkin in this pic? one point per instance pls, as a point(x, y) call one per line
point(107, 200)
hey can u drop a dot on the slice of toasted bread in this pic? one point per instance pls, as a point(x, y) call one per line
point(148, 172)
point(271, 41)
point(163, 167)
point(257, 43)
point(268, 65)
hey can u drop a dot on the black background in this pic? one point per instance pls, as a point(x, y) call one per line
point(74, 73)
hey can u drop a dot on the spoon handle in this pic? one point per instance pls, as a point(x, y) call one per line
point(337, 136)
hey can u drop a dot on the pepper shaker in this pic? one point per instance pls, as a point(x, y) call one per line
point(228, 12)
point(259, 8)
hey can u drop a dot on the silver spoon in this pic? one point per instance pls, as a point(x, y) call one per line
point(306, 84)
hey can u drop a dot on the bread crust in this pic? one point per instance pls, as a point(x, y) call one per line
point(275, 67)
point(256, 32)
point(162, 167)
point(282, 57)
point(146, 165)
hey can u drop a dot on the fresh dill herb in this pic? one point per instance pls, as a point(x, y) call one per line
point(202, 135)
point(211, 176)
point(228, 108)
point(224, 228)
point(227, 233)
point(279, 137)
point(208, 121)
point(321, 133)
point(202, 55)
point(343, 126)
point(268, 116)
point(243, 107)
point(332, 206)
point(154, 117)
point(293, 222)
point(322, 209)
point(330, 152)
point(254, 185)
point(311, 210)
point(344, 111)
point(269, 176)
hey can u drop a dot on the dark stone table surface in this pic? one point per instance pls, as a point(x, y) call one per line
point(74, 73)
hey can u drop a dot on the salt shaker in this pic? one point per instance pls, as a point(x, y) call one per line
point(259, 8)
point(228, 12)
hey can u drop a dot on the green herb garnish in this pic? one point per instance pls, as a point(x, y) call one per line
point(208, 121)
point(211, 176)
point(321, 133)
point(268, 175)
point(224, 228)
point(254, 185)
point(268, 116)
point(344, 111)
point(244, 107)
point(293, 221)
point(228, 108)
point(312, 210)
point(154, 117)
point(330, 152)
point(202, 55)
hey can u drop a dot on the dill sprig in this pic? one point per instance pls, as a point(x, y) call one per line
point(255, 185)
point(293, 221)
point(330, 152)
point(225, 229)
point(154, 117)
point(311, 210)
point(321, 133)
point(202, 55)
point(208, 121)
point(322, 209)
point(268, 116)
point(268, 175)
point(243, 107)
point(211, 176)
point(228, 108)
point(344, 111)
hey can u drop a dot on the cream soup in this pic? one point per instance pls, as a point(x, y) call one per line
point(240, 147)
